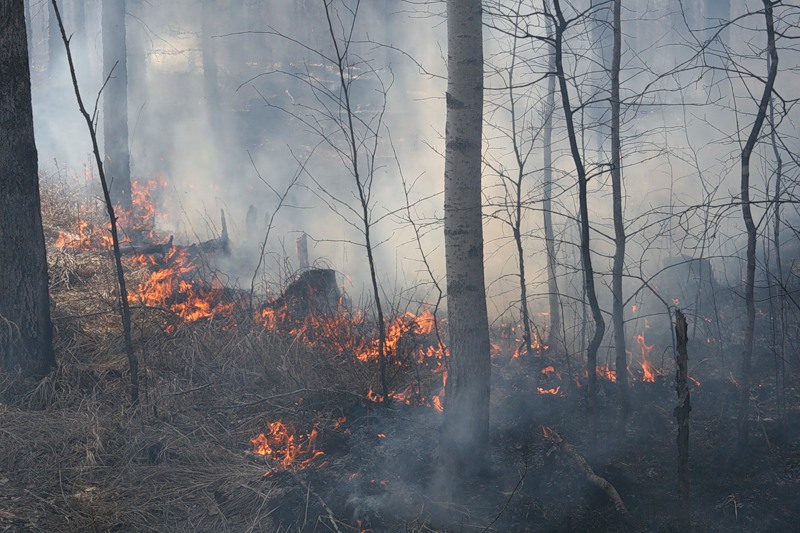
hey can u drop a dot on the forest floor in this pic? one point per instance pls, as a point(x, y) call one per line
point(77, 456)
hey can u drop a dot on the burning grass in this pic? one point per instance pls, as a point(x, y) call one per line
point(228, 397)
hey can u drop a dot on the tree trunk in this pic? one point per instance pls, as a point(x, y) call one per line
point(29, 28)
point(585, 250)
point(115, 103)
point(681, 413)
point(547, 205)
point(749, 297)
point(25, 327)
point(466, 416)
point(779, 317)
point(618, 310)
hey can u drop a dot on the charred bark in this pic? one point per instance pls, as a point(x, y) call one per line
point(681, 413)
point(25, 328)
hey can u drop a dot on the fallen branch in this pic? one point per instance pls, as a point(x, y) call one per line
point(601, 483)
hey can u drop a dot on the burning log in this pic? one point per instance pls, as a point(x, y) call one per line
point(681, 413)
point(601, 483)
point(145, 248)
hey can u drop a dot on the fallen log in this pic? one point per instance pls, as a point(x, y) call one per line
point(145, 248)
point(219, 244)
point(601, 483)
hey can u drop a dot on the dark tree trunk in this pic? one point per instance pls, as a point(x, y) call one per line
point(681, 413)
point(115, 103)
point(28, 28)
point(750, 276)
point(585, 249)
point(25, 328)
point(466, 414)
point(618, 310)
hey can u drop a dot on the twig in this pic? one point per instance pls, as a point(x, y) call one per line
point(510, 497)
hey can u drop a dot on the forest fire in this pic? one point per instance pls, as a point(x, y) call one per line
point(285, 448)
point(649, 372)
point(549, 374)
point(173, 287)
point(137, 221)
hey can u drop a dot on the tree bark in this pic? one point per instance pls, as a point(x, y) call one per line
point(681, 413)
point(618, 309)
point(749, 297)
point(585, 250)
point(466, 416)
point(25, 328)
point(555, 337)
point(115, 103)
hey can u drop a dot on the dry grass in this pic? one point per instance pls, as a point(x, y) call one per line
point(78, 457)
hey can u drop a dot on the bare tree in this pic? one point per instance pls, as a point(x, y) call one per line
point(561, 25)
point(466, 417)
point(124, 306)
point(618, 310)
point(747, 215)
point(25, 328)
point(554, 299)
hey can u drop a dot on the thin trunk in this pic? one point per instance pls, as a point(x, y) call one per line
point(125, 312)
point(618, 310)
point(585, 239)
point(516, 218)
point(363, 192)
point(750, 305)
point(780, 321)
point(681, 413)
point(555, 338)
point(466, 415)
point(25, 328)
point(115, 103)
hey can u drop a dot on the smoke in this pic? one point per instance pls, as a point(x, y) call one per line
point(244, 146)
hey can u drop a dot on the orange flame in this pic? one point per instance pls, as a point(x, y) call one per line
point(648, 370)
point(605, 372)
point(282, 444)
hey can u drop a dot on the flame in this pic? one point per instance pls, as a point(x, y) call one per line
point(605, 372)
point(285, 447)
point(138, 220)
point(648, 370)
point(542, 390)
point(177, 287)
